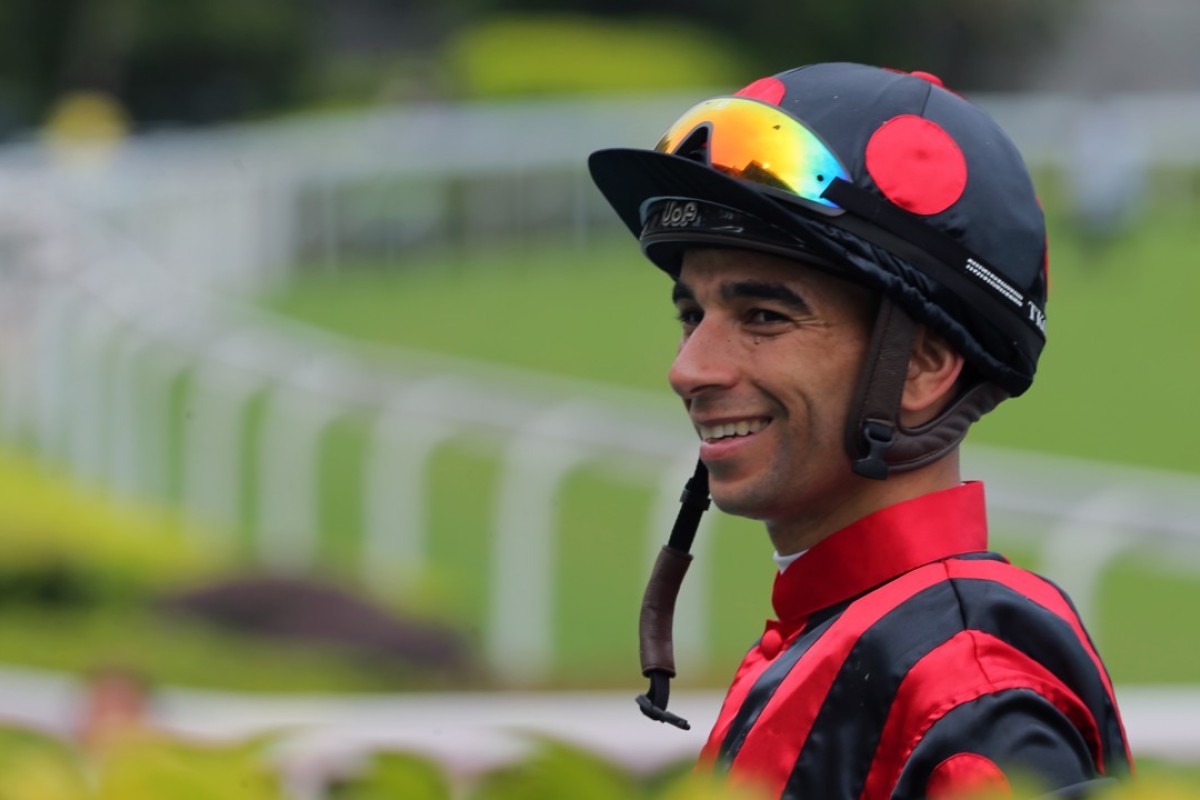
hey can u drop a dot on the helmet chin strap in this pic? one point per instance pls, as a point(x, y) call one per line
point(656, 647)
point(876, 440)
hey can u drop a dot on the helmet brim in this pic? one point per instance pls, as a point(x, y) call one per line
point(630, 179)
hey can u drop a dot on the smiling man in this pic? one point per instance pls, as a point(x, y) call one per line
point(859, 268)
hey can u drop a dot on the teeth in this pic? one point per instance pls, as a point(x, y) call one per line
point(743, 427)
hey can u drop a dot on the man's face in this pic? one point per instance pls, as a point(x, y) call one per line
point(770, 356)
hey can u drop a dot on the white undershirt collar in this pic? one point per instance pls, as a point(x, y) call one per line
point(783, 562)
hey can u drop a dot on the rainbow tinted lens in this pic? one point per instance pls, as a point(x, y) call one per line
point(758, 143)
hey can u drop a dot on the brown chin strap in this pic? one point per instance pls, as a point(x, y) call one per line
point(656, 646)
point(878, 445)
point(875, 439)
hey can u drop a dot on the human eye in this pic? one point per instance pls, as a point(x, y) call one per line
point(765, 317)
point(689, 316)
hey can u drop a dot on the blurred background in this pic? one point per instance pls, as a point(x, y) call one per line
point(335, 441)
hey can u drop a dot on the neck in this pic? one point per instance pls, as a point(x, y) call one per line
point(802, 531)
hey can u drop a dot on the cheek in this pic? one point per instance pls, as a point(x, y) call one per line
point(834, 378)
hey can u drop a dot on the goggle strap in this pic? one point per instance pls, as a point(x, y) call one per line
point(1021, 318)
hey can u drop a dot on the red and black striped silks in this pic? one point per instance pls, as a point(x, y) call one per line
point(906, 655)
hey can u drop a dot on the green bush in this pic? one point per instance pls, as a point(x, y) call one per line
point(393, 775)
point(142, 766)
point(81, 575)
point(569, 54)
point(64, 545)
point(35, 765)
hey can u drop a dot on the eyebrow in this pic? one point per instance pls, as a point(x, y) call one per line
point(681, 291)
point(763, 290)
point(747, 290)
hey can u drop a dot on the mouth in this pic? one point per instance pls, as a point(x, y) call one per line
point(717, 431)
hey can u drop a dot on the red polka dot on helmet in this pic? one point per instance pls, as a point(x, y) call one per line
point(928, 76)
point(916, 164)
point(769, 90)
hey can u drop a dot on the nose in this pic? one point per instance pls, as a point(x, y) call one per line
point(706, 361)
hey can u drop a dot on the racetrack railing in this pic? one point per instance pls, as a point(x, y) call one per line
point(133, 354)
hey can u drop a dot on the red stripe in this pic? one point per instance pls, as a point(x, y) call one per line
point(981, 664)
point(752, 667)
point(772, 746)
point(1048, 597)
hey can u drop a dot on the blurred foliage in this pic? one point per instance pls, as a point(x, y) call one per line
point(201, 61)
point(62, 545)
point(393, 775)
point(556, 770)
point(141, 765)
point(151, 767)
point(207, 60)
point(36, 765)
point(526, 55)
point(81, 575)
point(187, 61)
point(970, 43)
point(190, 653)
point(138, 766)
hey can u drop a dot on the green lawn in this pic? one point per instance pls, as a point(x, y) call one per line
point(1117, 382)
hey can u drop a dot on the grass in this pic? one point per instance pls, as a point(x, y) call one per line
point(190, 654)
point(1115, 382)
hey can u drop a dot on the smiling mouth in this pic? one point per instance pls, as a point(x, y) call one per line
point(745, 427)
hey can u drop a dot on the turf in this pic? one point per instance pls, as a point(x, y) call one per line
point(1116, 380)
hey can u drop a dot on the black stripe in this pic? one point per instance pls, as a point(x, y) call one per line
point(764, 688)
point(982, 555)
point(835, 758)
point(1018, 729)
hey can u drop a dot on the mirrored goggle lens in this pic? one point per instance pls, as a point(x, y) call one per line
point(758, 143)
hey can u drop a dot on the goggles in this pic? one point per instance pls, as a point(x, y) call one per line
point(757, 143)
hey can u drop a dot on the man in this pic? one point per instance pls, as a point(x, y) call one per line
point(860, 273)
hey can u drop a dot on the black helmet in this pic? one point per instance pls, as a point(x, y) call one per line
point(887, 177)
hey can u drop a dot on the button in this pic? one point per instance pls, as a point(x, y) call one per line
point(770, 644)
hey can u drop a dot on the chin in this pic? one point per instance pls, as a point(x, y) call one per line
point(741, 502)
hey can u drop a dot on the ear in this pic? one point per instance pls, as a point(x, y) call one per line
point(933, 370)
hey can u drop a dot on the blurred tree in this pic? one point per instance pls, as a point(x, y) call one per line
point(972, 44)
point(529, 54)
point(203, 60)
point(32, 44)
point(189, 61)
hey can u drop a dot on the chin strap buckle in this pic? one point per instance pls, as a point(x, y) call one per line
point(878, 437)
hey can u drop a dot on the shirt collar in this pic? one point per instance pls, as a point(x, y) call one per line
point(882, 546)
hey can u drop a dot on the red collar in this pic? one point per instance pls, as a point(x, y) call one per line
point(882, 546)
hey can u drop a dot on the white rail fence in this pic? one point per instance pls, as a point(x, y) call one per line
point(117, 285)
